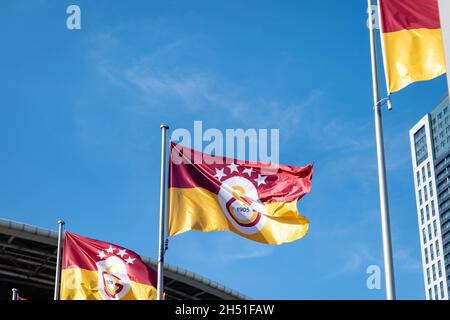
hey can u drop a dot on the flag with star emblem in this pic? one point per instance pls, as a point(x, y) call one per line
point(97, 270)
point(212, 193)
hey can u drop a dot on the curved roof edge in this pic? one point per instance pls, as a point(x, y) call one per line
point(50, 237)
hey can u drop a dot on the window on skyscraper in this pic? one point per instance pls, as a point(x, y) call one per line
point(428, 170)
point(431, 189)
point(434, 272)
point(418, 178)
point(420, 145)
point(438, 252)
point(432, 255)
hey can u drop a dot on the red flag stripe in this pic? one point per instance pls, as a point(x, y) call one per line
point(289, 183)
point(83, 252)
point(399, 15)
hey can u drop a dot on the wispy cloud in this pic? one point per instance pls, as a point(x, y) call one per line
point(158, 84)
point(405, 259)
point(358, 260)
point(225, 246)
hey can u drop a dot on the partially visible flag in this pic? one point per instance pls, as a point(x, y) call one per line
point(15, 295)
point(412, 41)
point(97, 270)
point(224, 194)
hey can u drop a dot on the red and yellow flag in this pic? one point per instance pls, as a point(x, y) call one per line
point(248, 198)
point(412, 41)
point(97, 270)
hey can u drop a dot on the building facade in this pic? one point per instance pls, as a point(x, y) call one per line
point(430, 152)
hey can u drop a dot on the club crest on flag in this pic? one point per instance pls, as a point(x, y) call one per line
point(113, 280)
point(239, 200)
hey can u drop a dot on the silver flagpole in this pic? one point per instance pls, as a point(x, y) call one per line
point(384, 206)
point(58, 260)
point(444, 11)
point(162, 213)
point(15, 294)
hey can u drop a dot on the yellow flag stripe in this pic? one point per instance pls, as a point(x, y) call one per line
point(412, 55)
point(199, 209)
point(82, 284)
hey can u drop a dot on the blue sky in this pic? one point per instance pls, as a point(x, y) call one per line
point(80, 138)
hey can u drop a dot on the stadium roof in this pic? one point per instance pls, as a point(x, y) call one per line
point(28, 259)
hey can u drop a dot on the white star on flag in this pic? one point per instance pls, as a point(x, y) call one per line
point(130, 260)
point(248, 171)
point(261, 179)
point(219, 174)
point(101, 254)
point(110, 249)
point(122, 252)
point(233, 168)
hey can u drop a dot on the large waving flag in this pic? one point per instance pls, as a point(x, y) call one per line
point(97, 270)
point(234, 195)
point(412, 41)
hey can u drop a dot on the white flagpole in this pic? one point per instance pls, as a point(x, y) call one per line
point(384, 206)
point(58, 260)
point(15, 294)
point(162, 213)
point(444, 10)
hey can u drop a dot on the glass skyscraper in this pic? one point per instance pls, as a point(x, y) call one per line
point(430, 151)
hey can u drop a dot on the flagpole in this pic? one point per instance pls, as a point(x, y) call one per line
point(15, 294)
point(444, 11)
point(160, 288)
point(384, 206)
point(58, 260)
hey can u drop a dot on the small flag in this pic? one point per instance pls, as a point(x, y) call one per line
point(234, 195)
point(97, 270)
point(412, 42)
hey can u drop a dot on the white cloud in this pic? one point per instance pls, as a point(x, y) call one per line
point(357, 261)
point(158, 84)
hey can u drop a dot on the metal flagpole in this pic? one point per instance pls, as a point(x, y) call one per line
point(162, 213)
point(15, 294)
point(58, 259)
point(444, 11)
point(384, 206)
